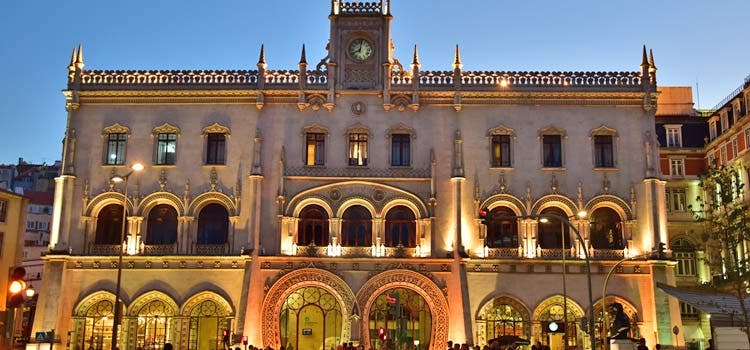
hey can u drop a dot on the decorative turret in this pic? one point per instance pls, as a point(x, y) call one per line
point(415, 59)
point(644, 64)
point(457, 59)
point(652, 67)
point(261, 77)
point(301, 101)
point(79, 58)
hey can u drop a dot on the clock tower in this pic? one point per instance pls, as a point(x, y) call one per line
point(359, 47)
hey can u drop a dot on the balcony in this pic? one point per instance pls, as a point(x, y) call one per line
point(160, 249)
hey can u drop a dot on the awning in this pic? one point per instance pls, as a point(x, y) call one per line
point(721, 307)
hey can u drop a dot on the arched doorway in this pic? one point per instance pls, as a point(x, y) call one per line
point(152, 320)
point(554, 324)
point(426, 316)
point(209, 315)
point(94, 318)
point(403, 316)
point(304, 293)
point(502, 316)
point(310, 318)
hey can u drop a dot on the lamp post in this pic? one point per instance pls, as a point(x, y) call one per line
point(124, 180)
point(564, 220)
point(581, 214)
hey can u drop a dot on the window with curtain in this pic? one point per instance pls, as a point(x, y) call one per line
point(358, 149)
point(552, 151)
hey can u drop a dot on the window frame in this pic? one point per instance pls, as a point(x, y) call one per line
point(501, 131)
point(354, 145)
point(556, 162)
point(115, 128)
point(322, 153)
point(680, 162)
point(404, 147)
point(165, 151)
point(217, 155)
point(120, 151)
point(3, 210)
point(676, 196)
point(673, 133)
point(598, 162)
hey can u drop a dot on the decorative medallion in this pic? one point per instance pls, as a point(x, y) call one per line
point(378, 195)
point(335, 194)
point(358, 108)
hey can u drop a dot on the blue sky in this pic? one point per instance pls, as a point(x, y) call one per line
point(692, 41)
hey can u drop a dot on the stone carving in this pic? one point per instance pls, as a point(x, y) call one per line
point(162, 180)
point(605, 184)
point(501, 181)
point(553, 184)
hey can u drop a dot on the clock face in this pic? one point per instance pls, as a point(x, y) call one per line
point(360, 49)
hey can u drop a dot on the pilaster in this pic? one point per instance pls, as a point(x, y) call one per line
point(61, 213)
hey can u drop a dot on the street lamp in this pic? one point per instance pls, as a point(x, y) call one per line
point(581, 215)
point(545, 218)
point(124, 179)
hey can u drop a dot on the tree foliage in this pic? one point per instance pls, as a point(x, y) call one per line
point(723, 211)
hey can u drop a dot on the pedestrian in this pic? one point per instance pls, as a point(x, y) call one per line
point(642, 344)
point(168, 346)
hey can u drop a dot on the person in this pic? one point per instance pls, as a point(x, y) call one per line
point(657, 346)
point(168, 346)
point(642, 344)
point(710, 344)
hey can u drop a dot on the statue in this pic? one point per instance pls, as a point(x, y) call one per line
point(620, 324)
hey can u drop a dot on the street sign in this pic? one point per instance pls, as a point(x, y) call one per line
point(40, 337)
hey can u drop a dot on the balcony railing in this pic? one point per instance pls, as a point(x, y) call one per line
point(210, 249)
point(159, 249)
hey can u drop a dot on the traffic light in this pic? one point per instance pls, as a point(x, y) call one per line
point(381, 333)
point(244, 340)
point(484, 215)
point(16, 287)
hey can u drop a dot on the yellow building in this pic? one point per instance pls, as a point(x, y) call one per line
point(12, 230)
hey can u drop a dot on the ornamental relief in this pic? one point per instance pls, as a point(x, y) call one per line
point(216, 128)
point(374, 195)
point(166, 128)
point(115, 128)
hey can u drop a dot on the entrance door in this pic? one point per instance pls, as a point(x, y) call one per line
point(310, 320)
point(403, 318)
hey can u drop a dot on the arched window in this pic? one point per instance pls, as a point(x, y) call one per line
point(502, 232)
point(154, 327)
point(213, 224)
point(499, 319)
point(400, 227)
point(162, 225)
point(313, 226)
point(109, 225)
point(606, 229)
point(551, 232)
point(356, 227)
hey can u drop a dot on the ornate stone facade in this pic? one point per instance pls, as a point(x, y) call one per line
point(356, 179)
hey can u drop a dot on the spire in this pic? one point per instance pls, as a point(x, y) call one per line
point(73, 58)
point(644, 61)
point(415, 59)
point(303, 58)
point(262, 58)
point(651, 59)
point(79, 57)
point(457, 59)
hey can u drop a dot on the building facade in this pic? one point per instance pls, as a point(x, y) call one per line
point(12, 224)
point(333, 202)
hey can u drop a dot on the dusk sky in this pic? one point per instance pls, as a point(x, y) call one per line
point(693, 41)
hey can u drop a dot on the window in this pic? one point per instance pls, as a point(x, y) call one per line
point(551, 233)
point(606, 229)
point(712, 130)
point(711, 160)
point(42, 226)
point(676, 199)
point(215, 148)
point(162, 225)
point(316, 145)
point(400, 150)
point(735, 147)
point(747, 138)
point(723, 153)
point(685, 263)
point(687, 311)
point(500, 151)
point(502, 231)
point(552, 151)
point(677, 167)
point(358, 149)
point(356, 227)
point(109, 225)
point(2, 243)
point(3, 210)
point(730, 115)
point(213, 224)
point(400, 227)
point(603, 152)
point(313, 226)
point(724, 122)
point(116, 144)
point(166, 146)
point(674, 136)
point(30, 225)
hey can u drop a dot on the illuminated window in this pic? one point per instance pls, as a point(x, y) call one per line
point(116, 145)
point(166, 148)
point(502, 230)
point(358, 149)
point(677, 167)
point(216, 148)
point(684, 253)
point(687, 311)
point(606, 229)
point(500, 151)
point(675, 199)
point(315, 149)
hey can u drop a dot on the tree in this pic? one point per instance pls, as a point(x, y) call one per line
point(723, 211)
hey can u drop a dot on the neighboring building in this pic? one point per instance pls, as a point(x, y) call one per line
point(26, 176)
point(12, 224)
point(36, 240)
point(316, 206)
point(7, 173)
point(683, 132)
point(729, 131)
